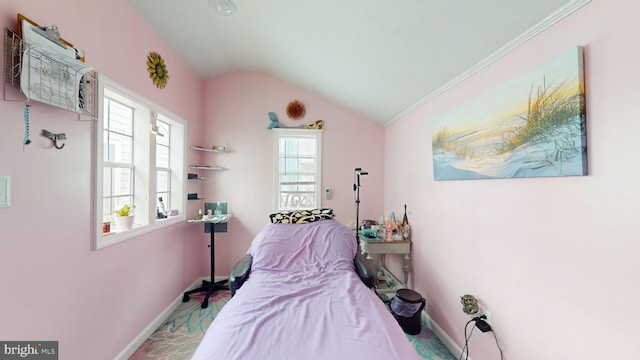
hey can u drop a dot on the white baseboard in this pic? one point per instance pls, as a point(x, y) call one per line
point(435, 328)
point(443, 336)
point(157, 322)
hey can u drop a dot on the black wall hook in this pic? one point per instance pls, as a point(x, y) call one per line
point(55, 137)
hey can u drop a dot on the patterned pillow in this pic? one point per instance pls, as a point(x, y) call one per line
point(301, 216)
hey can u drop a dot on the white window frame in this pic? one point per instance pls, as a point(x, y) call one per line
point(168, 197)
point(297, 133)
point(145, 163)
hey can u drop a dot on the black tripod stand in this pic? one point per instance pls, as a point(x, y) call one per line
point(356, 187)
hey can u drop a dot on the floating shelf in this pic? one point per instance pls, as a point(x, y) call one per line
point(207, 167)
point(192, 176)
point(199, 148)
point(194, 196)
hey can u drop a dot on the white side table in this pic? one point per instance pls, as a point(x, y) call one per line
point(381, 247)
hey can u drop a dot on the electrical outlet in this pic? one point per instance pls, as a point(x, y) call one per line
point(469, 306)
point(486, 313)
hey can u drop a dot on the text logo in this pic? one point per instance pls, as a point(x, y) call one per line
point(30, 350)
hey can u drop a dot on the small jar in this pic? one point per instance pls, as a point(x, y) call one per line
point(106, 227)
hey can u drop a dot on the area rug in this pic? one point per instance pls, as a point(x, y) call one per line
point(178, 337)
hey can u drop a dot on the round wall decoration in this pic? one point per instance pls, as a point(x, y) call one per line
point(295, 109)
point(157, 70)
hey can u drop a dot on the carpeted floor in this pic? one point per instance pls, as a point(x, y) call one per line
point(179, 336)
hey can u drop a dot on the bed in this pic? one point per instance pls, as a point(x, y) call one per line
point(299, 294)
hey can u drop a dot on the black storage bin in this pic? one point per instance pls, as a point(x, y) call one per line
point(407, 307)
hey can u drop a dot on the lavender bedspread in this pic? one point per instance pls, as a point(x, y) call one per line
point(304, 300)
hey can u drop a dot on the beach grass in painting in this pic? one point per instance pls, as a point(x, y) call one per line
point(532, 126)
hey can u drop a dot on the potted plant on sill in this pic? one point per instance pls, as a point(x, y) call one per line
point(124, 218)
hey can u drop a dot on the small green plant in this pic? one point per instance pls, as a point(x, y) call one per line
point(125, 210)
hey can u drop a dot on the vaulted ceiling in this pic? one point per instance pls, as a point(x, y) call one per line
point(378, 58)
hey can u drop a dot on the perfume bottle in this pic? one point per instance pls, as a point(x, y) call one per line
point(161, 211)
point(218, 211)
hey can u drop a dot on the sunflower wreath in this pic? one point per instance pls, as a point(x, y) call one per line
point(157, 70)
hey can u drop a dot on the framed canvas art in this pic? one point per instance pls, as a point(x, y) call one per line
point(532, 126)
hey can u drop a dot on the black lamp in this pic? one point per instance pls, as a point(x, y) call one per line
point(356, 187)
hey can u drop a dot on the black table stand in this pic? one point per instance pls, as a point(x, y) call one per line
point(210, 286)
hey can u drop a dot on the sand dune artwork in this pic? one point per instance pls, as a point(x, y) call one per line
point(531, 126)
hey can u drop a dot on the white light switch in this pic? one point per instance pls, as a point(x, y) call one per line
point(5, 191)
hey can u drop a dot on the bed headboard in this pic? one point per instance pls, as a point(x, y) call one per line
point(301, 216)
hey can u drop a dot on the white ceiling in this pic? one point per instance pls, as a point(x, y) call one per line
point(378, 58)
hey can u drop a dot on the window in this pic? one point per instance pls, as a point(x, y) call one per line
point(298, 165)
point(163, 164)
point(118, 167)
point(139, 159)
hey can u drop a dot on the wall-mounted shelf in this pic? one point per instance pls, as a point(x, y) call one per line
point(208, 167)
point(215, 149)
point(194, 196)
point(46, 76)
point(12, 59)
point(192, 176)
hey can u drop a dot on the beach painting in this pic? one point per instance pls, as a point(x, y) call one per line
point(531, 126)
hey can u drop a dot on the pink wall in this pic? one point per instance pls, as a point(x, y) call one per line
point(54, 287)
point(236, 115)
point(555, 260)
point(554, 276)
point(96, 302)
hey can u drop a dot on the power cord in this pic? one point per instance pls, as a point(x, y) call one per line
point(466, 338)
point(481, 324)
point(498, 345)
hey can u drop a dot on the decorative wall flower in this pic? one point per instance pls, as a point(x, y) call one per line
point(295, 109)
point(157, 70)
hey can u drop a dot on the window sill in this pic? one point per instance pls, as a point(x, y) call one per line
point(105, 240)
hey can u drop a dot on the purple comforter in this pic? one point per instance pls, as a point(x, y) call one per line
point(304, 300)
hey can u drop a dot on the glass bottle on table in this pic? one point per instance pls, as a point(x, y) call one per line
point(406, 229)
point(218, 211)
point(162, 211)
